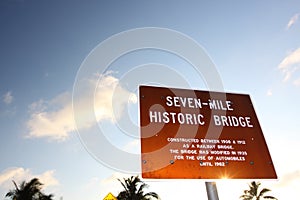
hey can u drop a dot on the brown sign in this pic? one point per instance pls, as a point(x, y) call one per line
point(201, 135)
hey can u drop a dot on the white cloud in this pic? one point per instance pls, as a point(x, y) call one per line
point(48, 179)
point(8, 98)
point(292, 59)
point(287, 185)
point(134, 146)
point(110, 99)
point(292, 21)
point(269, 92)
point(297, 82)
point(19, 174)
point(289, 179)
point(114, 178)
point(290, 64)
point(46, 121)
point(54, 119)
point(101, 187)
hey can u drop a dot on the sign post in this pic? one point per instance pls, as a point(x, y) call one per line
point(211, 190)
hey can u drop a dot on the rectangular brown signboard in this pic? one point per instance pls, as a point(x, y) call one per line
point(201, 135)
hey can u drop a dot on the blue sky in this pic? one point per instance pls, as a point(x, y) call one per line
point(255, 46)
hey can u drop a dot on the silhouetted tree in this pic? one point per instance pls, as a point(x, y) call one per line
point(134, 190)
point(28, 191)
point(254, 193)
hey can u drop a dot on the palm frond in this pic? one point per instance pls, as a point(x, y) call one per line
point(254, 193)
point(134, 190)
point(28, 191)
point(269, 197)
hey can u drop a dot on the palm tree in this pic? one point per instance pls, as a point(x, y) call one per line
point(134, 190)
point(254, 194)
point(46, 197)
point(28, 191)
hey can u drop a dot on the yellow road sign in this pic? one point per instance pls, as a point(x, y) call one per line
point(110, 196)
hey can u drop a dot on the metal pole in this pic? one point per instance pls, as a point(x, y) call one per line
point(212, 192)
